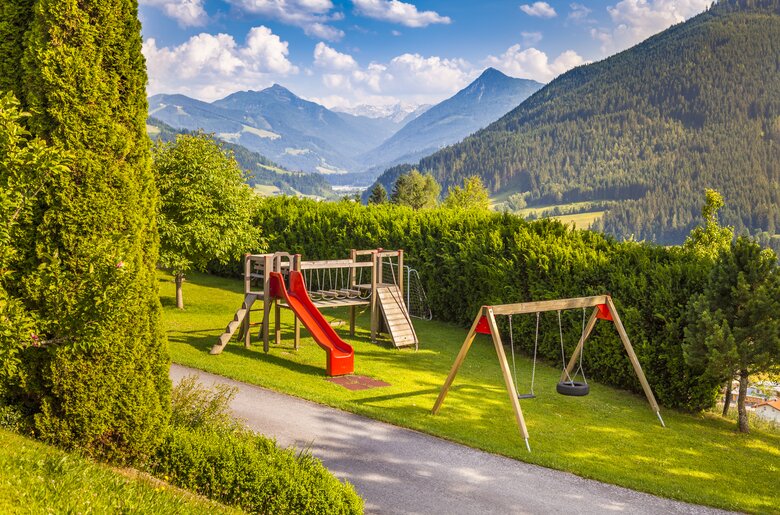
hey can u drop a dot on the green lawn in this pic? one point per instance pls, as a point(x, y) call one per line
point(37, 478)
point(610, 435)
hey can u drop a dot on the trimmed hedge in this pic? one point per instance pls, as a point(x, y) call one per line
point(207, 451)
point(249, 471)
point(467, 259)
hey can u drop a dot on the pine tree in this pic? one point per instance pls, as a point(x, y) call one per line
point(101, 381)
point(416, 190)
point(378, 195)
point(733, 325)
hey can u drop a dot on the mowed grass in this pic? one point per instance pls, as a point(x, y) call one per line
point(610, 435)
point(37, 478)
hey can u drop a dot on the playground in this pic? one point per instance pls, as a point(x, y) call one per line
point(609, 435)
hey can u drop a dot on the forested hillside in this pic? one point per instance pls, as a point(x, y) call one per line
point(693, 107)
point(260, 170)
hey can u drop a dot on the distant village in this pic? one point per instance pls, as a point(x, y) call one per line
point(763, 399)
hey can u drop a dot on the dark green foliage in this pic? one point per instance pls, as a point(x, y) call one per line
point(15, 17)
point(467, 259)
point(416, 190)
point(87, 259)
point(378, 195)
point(695, 107)
point(734, 326)
point(207, 452)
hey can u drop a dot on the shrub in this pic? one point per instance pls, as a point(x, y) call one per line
point(209, 453)
point(86, 259)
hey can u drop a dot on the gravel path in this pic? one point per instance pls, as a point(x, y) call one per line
point(402, 471)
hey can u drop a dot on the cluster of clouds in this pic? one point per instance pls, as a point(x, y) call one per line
point(210, 66)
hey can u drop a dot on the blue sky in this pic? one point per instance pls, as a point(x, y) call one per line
point(344, 53)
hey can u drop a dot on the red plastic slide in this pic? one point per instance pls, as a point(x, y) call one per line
point(341, 356)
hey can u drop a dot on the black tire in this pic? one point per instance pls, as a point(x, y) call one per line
point(573, 388)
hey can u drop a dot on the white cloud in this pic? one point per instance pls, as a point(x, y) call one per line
point(539, 9)
point(210, 66)
point(636, 20)
point(396, 11)
point(531, 63)
point(531, 38)
point(408, 77)
point(331, 59)
point(188, 13)
point(312, 16)
point(579, 13)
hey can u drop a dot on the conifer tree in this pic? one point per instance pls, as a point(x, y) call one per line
point(416, 190)
point(378, 195)
point(100, 380)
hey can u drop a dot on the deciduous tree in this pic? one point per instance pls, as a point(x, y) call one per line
point(473, 195)
point(206, 207)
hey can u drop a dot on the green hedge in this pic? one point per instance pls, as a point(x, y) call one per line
point(467, 259)
point(207, 451)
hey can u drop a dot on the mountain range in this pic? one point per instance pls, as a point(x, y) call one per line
point(647, 130)
point(303, 135)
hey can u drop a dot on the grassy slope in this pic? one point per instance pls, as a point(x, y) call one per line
point(37, 478)
point(611, 435)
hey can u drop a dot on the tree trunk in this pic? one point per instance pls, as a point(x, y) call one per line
point(179, 294)
point(727, 397)
point(742, 412)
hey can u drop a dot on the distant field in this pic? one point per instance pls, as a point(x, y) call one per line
point(266, 190)
point(151, 130)
point(581, 220)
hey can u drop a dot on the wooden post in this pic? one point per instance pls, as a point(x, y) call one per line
point(634, 360)
point(277, 323)
point(401, 274)
point(352, 283)
point(374, 297)
point(510, 386)
point(296, 321)
point(458, 362)
point(581, 345)
point(268, 261)
point(246, 327)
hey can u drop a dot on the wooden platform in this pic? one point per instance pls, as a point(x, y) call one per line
point(396, 317)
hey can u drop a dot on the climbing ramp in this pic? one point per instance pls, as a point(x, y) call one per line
point(232, 327)
point(396, 317)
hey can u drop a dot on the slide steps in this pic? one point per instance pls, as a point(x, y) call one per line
point(232, 327)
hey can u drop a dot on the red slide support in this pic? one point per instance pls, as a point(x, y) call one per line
point(341, 356)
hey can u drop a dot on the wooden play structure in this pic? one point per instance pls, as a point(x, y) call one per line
point(367, 279)
point(485, 323)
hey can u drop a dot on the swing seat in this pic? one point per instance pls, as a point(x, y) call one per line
point(572, 388)
point(522, 396)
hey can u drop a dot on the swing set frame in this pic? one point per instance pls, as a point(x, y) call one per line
point(604, 309)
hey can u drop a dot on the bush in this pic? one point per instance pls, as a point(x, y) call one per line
point(209, 453)
point(467, 259)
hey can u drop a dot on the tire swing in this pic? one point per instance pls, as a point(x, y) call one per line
point(569, 386)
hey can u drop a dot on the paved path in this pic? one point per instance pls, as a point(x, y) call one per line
point(402, 471)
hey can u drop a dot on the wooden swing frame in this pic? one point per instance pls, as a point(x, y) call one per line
point(604, 308)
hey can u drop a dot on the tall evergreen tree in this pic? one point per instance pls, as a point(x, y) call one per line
point(378, 195)
point(416, 190)
point(100, 381)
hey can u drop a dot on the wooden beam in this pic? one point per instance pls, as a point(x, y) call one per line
point(510, 386)
point(458, 362)
point(549, 305)
point(634, 360)
point(588, 329)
